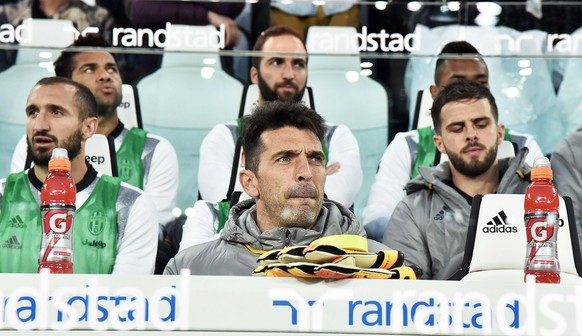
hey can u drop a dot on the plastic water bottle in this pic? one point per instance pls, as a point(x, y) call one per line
point(541, 222)
point(57, 209)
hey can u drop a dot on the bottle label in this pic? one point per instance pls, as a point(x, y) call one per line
point(57, 237)
point(542, 234)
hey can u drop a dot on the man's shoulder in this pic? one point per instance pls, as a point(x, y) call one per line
point(220, 132)
point(153, 142)
point(126, 193)
point(404, 138)
point(572, 140)
point(158, 141)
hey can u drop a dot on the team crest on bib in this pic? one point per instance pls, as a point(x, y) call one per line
point(97, 223)
point(124, 170)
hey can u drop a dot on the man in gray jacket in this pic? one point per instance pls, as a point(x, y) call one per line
point(567, 167)
point(285, 174)
point(430, 224)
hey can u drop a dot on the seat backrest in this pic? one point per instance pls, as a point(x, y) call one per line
point(100, 152)
point(496, 238)
point(422, 117)
point(526, 98)
point(183, 100)
point(44, 40)
point(345, 96)
point(200, 51)
point(129, 110)
point(11, 134)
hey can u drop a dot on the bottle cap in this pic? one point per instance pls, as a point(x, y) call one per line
point(541, 168)
point(60, 159)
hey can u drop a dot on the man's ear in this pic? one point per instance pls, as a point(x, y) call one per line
point(500, 133)
point(438, 141)
point(89, 127)
point(254, 75)
point(434, 90)
point(248, 181)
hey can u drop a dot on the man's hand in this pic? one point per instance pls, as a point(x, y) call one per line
point(332, 168)
point(232, 31)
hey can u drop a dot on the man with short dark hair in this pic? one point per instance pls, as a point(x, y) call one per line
point(146, 161)
point(285, 175)
point(430, 225)
point(281, 74)
point(413, 149)
point(63, 113)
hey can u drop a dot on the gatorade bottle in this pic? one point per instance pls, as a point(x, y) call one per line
point(57, 207)
point(541, 223)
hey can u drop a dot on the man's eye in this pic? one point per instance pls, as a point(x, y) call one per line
point(283, 159)
point(456, 129)
point(32, 113)
point(300, 65)
point(317, 159)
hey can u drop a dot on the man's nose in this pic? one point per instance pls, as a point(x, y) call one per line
point(304, 172)
point(288, 71)
point(472, 133)
point(41, 122)
point(104, 76)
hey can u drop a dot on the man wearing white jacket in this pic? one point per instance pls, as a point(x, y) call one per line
point(115, 225)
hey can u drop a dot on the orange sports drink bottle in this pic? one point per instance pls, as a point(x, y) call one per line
point(541, 223)
point(57, 207)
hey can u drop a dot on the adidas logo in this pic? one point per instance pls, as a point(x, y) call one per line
point(12, 243)
point(442, 214)
point(16, 222)
point(500, 224)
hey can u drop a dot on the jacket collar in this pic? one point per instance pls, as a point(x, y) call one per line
point(241, 227)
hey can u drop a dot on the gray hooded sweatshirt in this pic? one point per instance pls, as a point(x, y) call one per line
point(430, 224)
point(241, 241)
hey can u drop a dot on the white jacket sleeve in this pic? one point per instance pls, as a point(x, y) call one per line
point(137, 248)
point(19, 156)
point(162, 179)
point(201, 225)
point(216, 156)
point(388, 187)
point(344, 185)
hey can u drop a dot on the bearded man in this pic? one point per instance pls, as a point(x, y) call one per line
point(430, 224)
point(61, 113)
point(281, 74)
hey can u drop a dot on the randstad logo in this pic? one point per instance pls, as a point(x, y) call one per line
point(500, 224)
point(364, 41)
